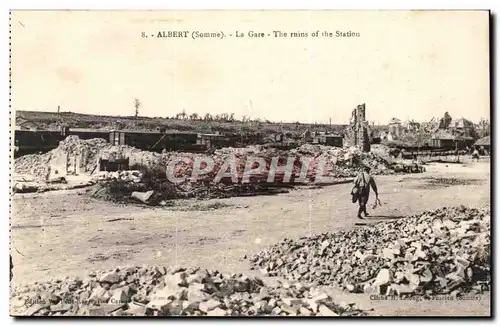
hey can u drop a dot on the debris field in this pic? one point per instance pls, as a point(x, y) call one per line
point(161, 291)
point(446, 251)
point(149, 170)
point(443, 251)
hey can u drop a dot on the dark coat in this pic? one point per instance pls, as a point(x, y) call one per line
point(361, 189)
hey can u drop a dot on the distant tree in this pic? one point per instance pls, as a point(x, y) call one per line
point(208, 117)
point(137, 105)
point(231, 117)
point(182, 115)
point(194, 116)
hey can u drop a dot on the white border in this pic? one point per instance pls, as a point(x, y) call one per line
point(190, 5)
point(254, 4)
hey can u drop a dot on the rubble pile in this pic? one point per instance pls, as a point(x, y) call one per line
point(122, 190)
point(446, 251)
point(89, 151)
point(39, 165)
point(136, 156)
point(161, 291)
point(341, 163)
point(125, 192)
point(344, 161)
point(32, 165)
point(208, 190)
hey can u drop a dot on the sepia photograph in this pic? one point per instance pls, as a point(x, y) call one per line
point(231, 163)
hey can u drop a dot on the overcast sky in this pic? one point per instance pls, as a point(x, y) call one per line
point(405, 64)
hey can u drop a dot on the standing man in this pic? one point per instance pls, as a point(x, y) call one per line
point(475, 155)
point(361, 189)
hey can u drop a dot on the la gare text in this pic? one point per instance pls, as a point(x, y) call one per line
point(251, 34)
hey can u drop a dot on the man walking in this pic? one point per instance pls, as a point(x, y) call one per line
point(361, 189)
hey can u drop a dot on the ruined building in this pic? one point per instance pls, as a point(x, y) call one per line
point(358, 129)
point(395, 127)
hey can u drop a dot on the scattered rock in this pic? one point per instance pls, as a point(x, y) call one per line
point(35, 308)
point(150, 292)
point(142, 196)
point(209, 305)
point(434, 252)
point(327, 312)
point(111, 277)
point(383, 277)
point(99, 294)
point(120, 295)
point(60, 307)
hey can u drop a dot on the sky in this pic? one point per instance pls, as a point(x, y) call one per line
point(409, 65)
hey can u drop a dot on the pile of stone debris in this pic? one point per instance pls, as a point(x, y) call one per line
point(89, 151)
point(341, 163)
point(346, 161)
point(445, 251)
point(39, 165)
point(129, 188)
point(160, 291)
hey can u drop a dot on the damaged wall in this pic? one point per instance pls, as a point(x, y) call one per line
point(357, 134)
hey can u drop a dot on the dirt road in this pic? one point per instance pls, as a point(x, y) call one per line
point(66, 233)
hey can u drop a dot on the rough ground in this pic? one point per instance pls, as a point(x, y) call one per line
point(65, 233)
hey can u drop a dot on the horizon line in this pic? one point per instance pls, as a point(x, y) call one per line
point(263, 120)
